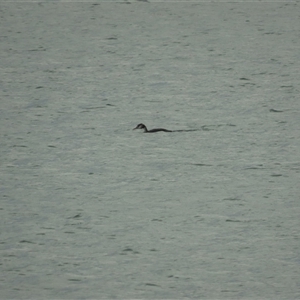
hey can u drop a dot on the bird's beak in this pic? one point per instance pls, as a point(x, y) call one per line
point(134, 128)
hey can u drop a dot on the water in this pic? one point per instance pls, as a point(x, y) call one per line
point(91, 209)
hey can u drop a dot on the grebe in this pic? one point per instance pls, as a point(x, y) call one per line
point(142, 126)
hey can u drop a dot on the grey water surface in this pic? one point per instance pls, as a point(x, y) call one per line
point(91, 209)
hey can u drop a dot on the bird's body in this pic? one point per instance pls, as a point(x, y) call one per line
point(142, 126)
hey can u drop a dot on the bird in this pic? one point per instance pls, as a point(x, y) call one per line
point(142, 126)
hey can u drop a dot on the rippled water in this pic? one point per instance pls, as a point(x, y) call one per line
point(91, 209)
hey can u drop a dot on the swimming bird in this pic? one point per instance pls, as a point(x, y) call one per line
point(142, 126)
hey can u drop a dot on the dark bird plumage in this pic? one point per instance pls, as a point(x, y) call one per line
point(142, 126)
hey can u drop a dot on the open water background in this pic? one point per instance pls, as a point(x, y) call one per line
point(91, 209)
